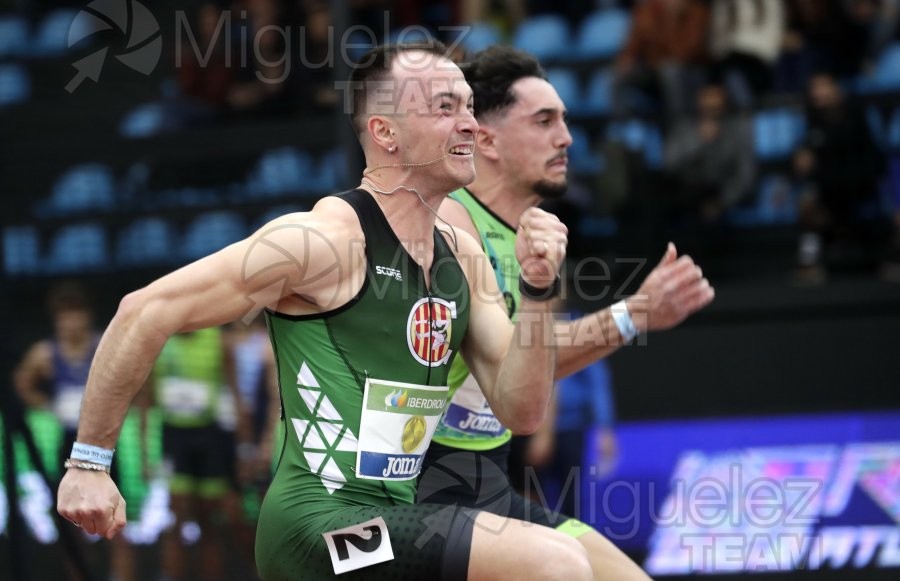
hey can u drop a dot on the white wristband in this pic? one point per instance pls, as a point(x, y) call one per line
point(623, 321)
point(94, 454)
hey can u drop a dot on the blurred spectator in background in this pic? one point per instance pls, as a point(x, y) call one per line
point(255, 376)
point(188, 380)
point(261, 86)
point(53, 375)
point(505, 14)
point(54, 371)
point(839, 165)
point(745, 39)
point(878, 21)
point(206, 73)
point(709, 166)
point(666, 46)
point(820, 35)
point(314, 73)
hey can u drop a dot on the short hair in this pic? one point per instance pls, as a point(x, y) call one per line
point(493, 71)
point(68, 296)
point(376, 65)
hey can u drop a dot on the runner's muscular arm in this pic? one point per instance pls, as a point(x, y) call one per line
point(513, 364)
point(254, 273)
point(670, 293)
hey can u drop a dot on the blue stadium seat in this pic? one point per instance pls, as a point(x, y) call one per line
point(333, 171)
point(52, 36)
point(282, 171)
point(84, 187)
point(211, 232)
point(358, 44)
point(893, 131)
point(876, 126)
point(147, 241)
point(15, 85)
point(603, 33)
point(598, 99)
point(567, 86)
point(145, 121)
point(582, 158)
point(778, 133)
point(546, 37)
point(13, 36)
point(775, 203)
point(480, 36)
point(886, 75)
point(639, 136)
point(21, 250)
point(78, 248)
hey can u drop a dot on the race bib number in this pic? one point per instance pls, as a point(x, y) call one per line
point(185, 397)
point(395, 428)
point(67, 405)
point(470, 413)
point(359, 546)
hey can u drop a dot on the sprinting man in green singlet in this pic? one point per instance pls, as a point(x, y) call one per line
point(369, 302)
point(521, 160)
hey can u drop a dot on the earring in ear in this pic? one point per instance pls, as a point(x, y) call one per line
point(391, 149)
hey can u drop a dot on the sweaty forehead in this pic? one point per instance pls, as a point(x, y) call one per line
point(533, 95)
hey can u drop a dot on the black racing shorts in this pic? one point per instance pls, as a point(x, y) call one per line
point(429, 542)
point(452, 476)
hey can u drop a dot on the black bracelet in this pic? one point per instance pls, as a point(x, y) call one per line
point(533, 293)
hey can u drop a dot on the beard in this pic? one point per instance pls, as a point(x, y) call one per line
point(548, 190)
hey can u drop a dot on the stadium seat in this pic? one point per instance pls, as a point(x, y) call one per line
point(78, 248)
point(893, 131)
point(778, 133)
point(15, 85)
point(598, 99)
point(148, 241)
point(84, 187)
point(358, 43)
point(546, 37)
point(13, 36)
point(603, 33)
point(639, 136)
point(886, 75)
point(21, 250)
point(52, 36)
point(480, 36)
point(144, 121)
point(566, 84)
point(333, 171)
point(211, 232)
point(582, 158)
point(875, 121)
point(282, 171)
point(774, 203)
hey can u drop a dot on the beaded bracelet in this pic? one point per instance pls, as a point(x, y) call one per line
point(85, 465)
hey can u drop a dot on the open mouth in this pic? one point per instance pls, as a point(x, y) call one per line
point(461, 150)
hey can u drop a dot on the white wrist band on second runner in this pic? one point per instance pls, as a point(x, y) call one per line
point(623, 321)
